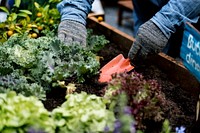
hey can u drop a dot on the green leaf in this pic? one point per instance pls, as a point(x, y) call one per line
point(4, 9)
point(26, 11)
point(37, 5)
point(18, 30)
point(36, 30)
point(22, 15)
point(13, 16)
point(17, 3)
point(5, 35)
point(2, 25)
point(46, 8)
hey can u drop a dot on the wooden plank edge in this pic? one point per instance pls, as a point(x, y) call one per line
point(111, 33)
point(177, 72)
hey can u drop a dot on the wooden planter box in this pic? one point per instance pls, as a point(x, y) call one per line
point(174, 70)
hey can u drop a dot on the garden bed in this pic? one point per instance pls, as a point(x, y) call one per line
point(42, 68)
point(178, 85)
point(181, 103)
point(172, 67)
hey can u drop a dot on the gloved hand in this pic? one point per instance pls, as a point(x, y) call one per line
point(72, 28)
point(70, 31)
point(149, 40)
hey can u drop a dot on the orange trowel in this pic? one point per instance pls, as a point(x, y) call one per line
point(117, 65)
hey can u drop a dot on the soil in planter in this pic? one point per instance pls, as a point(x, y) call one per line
point(181, 107)
point(56, 96)
point(181, 104)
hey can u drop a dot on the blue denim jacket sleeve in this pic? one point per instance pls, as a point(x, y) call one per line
point(144, 10)
point(175, 13)
point(76, 10)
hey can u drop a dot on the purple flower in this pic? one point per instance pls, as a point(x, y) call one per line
point(180, 130)
point(117, 126)
point(127, 110)
point(106, 129)
point(133, 130)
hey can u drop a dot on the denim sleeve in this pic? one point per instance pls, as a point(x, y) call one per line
point(175, 13)
point(144, 10)
point(159, 2)
point(76, 10)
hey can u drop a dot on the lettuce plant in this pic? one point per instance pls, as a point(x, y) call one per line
point(144, 96)
point(19, 114)
point(83, 113)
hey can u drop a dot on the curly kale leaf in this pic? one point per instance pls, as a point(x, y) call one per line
point(6, 65)
point(44, 61)
point(21, 56)
point(95, 42)
point(16, 82)
point(76, 60)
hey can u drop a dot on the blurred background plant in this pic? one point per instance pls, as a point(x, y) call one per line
point(34, 18)
point(125, 122)
point(20, 114)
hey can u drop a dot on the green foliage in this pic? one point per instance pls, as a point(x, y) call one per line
point(19, 114)
point(23, 18)
point(20, 84)
point(125, 122)
point(4, 9)
point(144, 97)
point(166, 127)
point(38, 63)
point(83, 113)
point(95, 42)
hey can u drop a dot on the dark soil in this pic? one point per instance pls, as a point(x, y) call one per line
point(181, 107)
point(181, 104)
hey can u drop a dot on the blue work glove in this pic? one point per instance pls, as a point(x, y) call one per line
point(149, 40)
point(74, 13)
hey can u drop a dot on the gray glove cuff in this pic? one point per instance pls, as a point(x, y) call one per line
point(72, 32)
point(149, 40)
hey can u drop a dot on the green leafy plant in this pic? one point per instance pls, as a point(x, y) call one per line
point(144, 97)
point(37, 64)
point(166, 127)
point(32, 18)
point(19, 114)
point(20, 84)
point(95, 42)
point(12, 25)
point(83, 113)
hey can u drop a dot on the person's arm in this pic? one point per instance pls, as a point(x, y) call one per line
point(153, 35)
point(73, 20)
point(144, 10)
